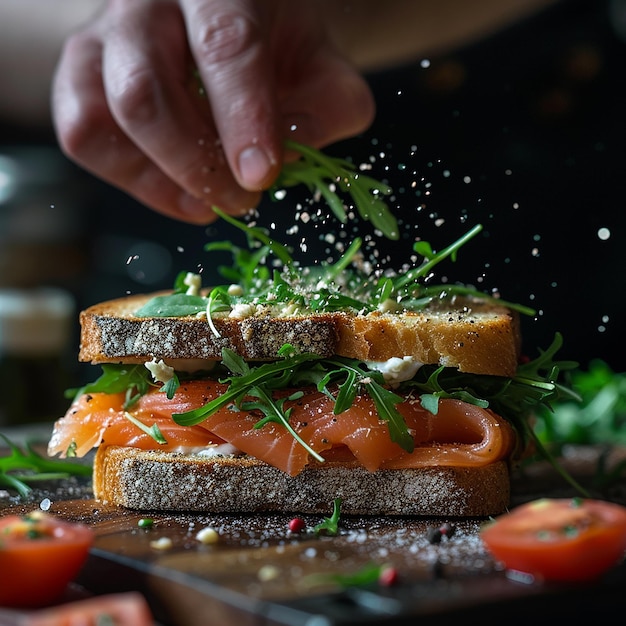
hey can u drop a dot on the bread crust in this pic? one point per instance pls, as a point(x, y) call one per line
point(472, 336)
point(154, 480)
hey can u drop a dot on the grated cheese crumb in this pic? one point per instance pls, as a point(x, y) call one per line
point(193, 282)
point(163, 543)
point(207, 536)
point(161, 372)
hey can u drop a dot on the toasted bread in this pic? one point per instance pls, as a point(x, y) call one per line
point(153, 480)
point(469, 335)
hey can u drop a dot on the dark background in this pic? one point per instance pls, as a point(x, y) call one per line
point(523, 132)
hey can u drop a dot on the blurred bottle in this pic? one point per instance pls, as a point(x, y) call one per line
point(43, 207)
point(43, 201)
point(35, 333)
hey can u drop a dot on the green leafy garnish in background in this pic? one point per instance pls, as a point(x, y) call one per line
point(21, 467)
point(599, 415)
point(325, 175)
point(596, 417)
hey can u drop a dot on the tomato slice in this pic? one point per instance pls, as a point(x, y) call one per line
point(118, 609)
point(39, 555)
point(559, 539)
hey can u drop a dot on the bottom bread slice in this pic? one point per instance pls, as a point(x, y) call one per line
point(153, 480)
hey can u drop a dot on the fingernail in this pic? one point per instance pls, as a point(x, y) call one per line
point(254, 167)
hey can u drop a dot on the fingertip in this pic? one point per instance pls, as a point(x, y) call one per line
point(257, 168)
point(198, 211)
point(193, 210)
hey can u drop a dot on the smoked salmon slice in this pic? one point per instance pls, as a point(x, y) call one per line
point(460, 434)
point(99, 419)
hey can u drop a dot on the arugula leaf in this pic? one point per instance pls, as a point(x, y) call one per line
point(593, 414)
point(275, 412)
point(172, 305)
point(330, 525)
point(535, 387)
point(321, 173)
point(431, 258)
point(320, 288)
point(37, 468)
point(385, 402)
point(324, 174)
point(169, 388)
point(218, 300)
point(245, 379)
point(355, 378)
point(259, 381)
point(133, 380)
point(253, 232)
point(153, 431)
point(255, 382)
point(368, 575)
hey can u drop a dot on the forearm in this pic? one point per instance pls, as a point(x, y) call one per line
point(375, 34)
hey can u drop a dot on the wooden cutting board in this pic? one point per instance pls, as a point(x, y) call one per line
point(259, 573)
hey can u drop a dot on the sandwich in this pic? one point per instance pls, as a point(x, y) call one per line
point(289, 387)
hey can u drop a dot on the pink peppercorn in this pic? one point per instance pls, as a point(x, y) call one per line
point(296, 525)
point(388, 576)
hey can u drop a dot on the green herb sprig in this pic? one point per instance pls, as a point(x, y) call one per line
point(321, 288)
point(296, 370)
point(272, 408)
point(324, 175)
point(24, 466)
point(153, 431)
point(365, 576)
point(330, 525)
point(536, 385)
point(132, 380)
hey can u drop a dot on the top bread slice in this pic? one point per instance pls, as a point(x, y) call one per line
point(470, 335)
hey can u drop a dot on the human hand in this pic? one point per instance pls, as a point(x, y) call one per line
point(127, 104)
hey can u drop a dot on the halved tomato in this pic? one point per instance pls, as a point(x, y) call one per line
point(559, 539)
point(119, 609)
point(39, 555)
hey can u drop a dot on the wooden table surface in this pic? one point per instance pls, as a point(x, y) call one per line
point(259, 573)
